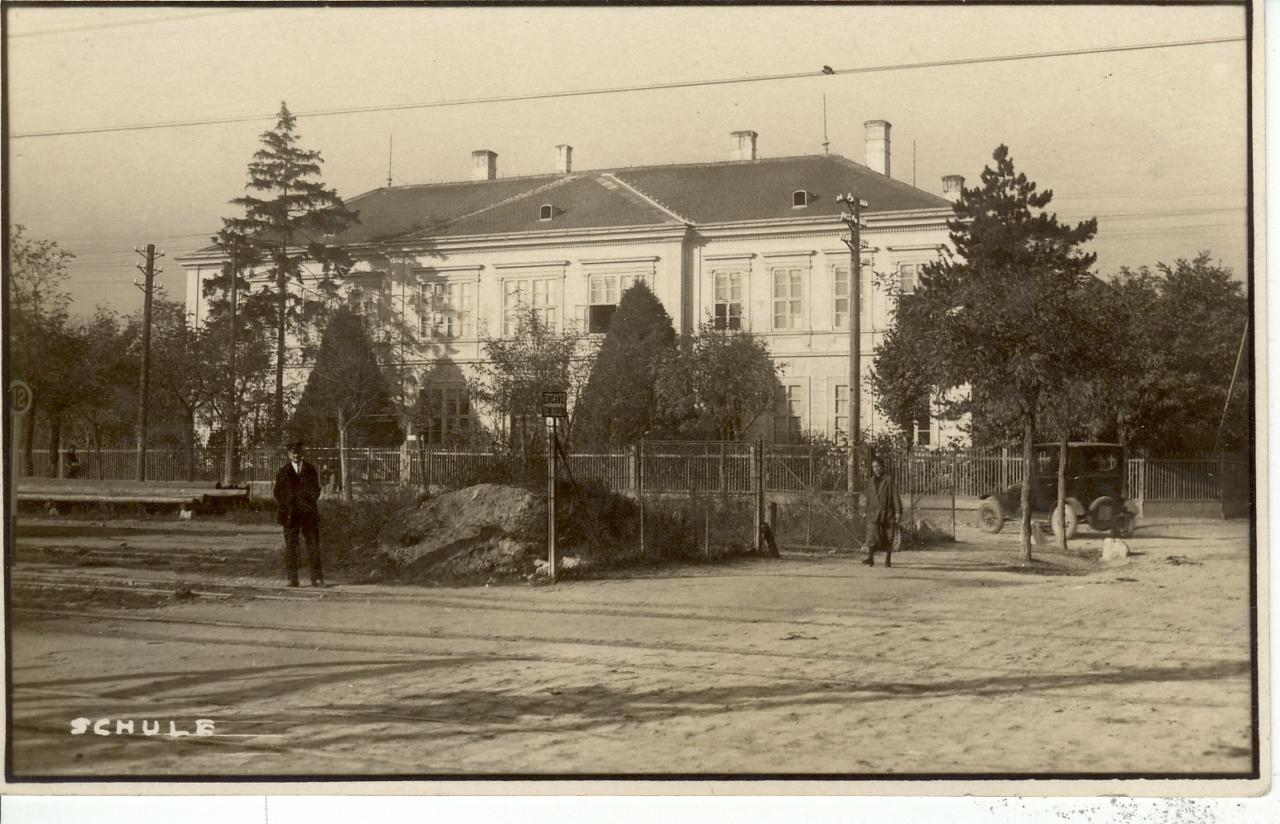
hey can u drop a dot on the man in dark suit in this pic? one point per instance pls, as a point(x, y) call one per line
point(297, 493)
point(884, 508)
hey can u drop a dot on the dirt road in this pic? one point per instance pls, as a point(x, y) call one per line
point(948, 663)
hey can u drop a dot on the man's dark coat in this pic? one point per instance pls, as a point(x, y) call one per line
point(298, 496)
point(883, 503)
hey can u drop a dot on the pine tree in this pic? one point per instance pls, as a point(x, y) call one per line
point(619, 404)
point(288, 225)
point(1008, 315)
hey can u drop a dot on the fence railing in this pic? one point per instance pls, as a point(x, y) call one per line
point(667, 467)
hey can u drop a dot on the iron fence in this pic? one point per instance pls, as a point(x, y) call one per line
point(691, 468)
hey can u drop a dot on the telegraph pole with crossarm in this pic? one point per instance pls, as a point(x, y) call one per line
point(149, 271)
point(852, 219)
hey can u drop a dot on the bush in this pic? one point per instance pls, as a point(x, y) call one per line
point(604, 527)
point(349, 529)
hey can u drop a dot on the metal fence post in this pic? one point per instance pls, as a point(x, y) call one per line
point(640, 489)
point(955, 479)
point(759, 490)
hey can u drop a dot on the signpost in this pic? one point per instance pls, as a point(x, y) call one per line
point(20, 399)
point(554, 407)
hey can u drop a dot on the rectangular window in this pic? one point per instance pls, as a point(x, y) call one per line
point(841, 407)
point(788, 300)
point(604, 292)
point(788, 413)
point(446, 311)
point(922, 424)
point(520, 295)
point(728, 301)
point(908, 276)
point(449, 415)
point(840, 298)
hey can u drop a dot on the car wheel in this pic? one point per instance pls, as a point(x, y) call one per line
point(1072, 521)
point(1103, 512)
point(1127, 524)
point(990, 516)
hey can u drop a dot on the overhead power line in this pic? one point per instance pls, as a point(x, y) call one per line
point(119, 24)
point(684, 84)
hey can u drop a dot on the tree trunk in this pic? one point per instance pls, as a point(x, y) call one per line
point(342, 455)
point(189, 442)
point(1028, 461)
point(281, 317)
point(1060, 512)
point(55, 442)
point(230, 424)
point(29, 438)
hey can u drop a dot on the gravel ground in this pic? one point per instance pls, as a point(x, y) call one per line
point(955, 661)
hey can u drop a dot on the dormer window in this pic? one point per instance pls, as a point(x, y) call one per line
point(546, 212)
point(799, 199)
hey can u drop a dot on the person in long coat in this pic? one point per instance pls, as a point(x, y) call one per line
point(297, 494)
point(884, 508)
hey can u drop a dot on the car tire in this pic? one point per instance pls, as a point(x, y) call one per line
point(1128, 524)
point(1072, 522)
point(1103, 512)
point(990, 516)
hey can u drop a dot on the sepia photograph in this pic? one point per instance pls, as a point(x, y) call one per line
point(808, 396)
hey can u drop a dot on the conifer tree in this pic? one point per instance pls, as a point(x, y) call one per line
point(619, 403)
point(346, 394)
point(288, 221)
point(1007, 316)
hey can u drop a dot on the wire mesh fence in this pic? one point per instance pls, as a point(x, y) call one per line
point(809, 484)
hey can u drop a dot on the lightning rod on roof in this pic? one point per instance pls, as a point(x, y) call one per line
point(825, 143)
point(390, 141)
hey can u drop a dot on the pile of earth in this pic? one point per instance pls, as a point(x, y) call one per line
point(483, 530)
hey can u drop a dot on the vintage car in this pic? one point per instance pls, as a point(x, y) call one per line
point(1095, 491)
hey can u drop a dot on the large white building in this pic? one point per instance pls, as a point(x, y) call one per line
point(750, 243)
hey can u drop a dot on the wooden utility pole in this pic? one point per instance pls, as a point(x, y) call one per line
point(149, 271)
point(852, 219)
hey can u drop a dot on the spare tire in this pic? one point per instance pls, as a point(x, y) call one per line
point(990, 516)
point(1103, 513)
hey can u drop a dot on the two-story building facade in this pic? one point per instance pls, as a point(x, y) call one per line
point(749, 244)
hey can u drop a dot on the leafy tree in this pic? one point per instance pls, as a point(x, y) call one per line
point(716, 384)
point(346, 393)
point(619, 403)
point(107, 420)
point(184, 371)
point(288, 224)
point(226, 315)
point(1003, 315)
point(44, 350)
point(1184, 324)
point(518, 369)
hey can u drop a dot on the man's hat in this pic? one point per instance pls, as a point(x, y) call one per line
point(292, 445)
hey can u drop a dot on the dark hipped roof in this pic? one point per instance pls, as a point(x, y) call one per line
point(762, 189)
point(700, 193)
point(577, 202)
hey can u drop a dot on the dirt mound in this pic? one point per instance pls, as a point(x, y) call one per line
point(483, 529)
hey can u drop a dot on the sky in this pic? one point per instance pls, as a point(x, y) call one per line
point(1152, 142)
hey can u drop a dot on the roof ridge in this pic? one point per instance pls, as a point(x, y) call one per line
point(559, 181)
point(651, 200)
point(901, 184)
point(602, 170)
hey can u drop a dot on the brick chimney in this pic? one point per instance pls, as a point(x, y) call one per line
point(484, 165)
point(564, 159)
point(951, 186)
point(878, 145)
point(744, 145)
